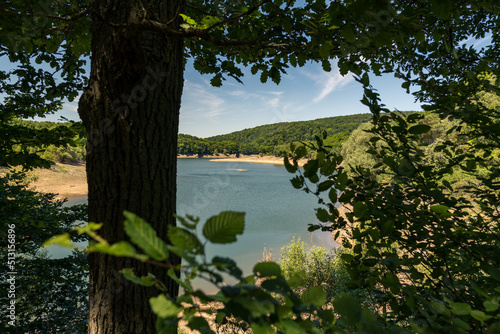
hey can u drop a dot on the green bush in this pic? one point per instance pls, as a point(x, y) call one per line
point(318, 268)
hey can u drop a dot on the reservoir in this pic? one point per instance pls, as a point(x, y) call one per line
point(275, 211)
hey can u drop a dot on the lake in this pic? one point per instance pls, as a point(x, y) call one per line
point(275, 211)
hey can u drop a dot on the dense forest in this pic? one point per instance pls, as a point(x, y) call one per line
point(270, 139)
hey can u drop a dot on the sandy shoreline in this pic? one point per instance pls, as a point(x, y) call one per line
point(65, 180)
point(70, 180)
point(252, 159)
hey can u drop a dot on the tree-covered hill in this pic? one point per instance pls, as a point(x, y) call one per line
point(269, 139)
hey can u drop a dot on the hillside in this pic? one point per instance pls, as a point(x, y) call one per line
point(271, 139)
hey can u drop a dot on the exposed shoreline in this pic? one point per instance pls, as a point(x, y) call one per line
point(70, 180)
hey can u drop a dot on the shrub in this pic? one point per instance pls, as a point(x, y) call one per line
point(318, 268)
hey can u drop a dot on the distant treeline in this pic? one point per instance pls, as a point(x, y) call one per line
point(271, 139)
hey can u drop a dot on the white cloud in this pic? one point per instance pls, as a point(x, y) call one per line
point(329, 81)
point(198, 101)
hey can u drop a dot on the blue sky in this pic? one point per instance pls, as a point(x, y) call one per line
point(304, 94)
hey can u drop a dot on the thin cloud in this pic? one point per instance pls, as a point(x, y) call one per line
point(329, 81)
point(198, 101)
point(274, 101)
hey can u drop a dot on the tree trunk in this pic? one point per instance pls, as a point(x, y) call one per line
point(131, 113)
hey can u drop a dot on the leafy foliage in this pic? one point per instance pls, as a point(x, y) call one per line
point(425, 252)
point(264, 302)
point(428, 254)
point(39, 144)
point(50, 294)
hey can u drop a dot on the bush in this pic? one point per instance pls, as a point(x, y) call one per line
point(318, 268)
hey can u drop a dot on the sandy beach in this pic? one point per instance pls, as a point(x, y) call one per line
point(69, 180)
point(65, 180)
point(252, 158)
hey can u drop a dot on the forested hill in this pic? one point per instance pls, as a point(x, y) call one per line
point(273, 138)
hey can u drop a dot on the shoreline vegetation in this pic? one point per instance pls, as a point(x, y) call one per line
point(69, 180)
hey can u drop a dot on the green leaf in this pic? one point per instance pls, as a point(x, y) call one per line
point(267, 269)
point(342, 180)
point(166, 325)
point(322, 215)
point(332, 195)
point(349, 34)
point(300, 152)
point(62, 240)
point(223, 228)
point(490, 306)
point(419, 129)
point(494, 328)
point(387, 228)
point(327, 66)
point(324, 49)
point(163, 307)
point(89, 228)
point(228, 265)
point(189, 224)
point(315, 296)
point(310, 168)
point(297, 182)
point(289, 167)
point(263, 76)
point(347, 257)
point(440, 308)
point(189, 21)
point(144, 236)
point(439, 208)
point(460, 324)
point(216, 81)
point(441, 8)
point(184, 240)
point(120, 249)
point(480, 315)
point(461, 308)
point(144, 280)
point(325, 185)
point(359, 208)
point(370, 262)
point(494, 272)
point(348, 308)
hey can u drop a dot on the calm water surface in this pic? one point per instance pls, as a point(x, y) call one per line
point(275, 211)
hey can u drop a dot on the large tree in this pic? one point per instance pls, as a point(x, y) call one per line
point(130, 104)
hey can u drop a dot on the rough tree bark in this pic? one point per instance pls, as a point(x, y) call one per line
point(131, 113)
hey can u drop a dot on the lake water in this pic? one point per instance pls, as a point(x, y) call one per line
point(275, 211)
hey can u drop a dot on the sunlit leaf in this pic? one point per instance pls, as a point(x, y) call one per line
point(144, 236)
